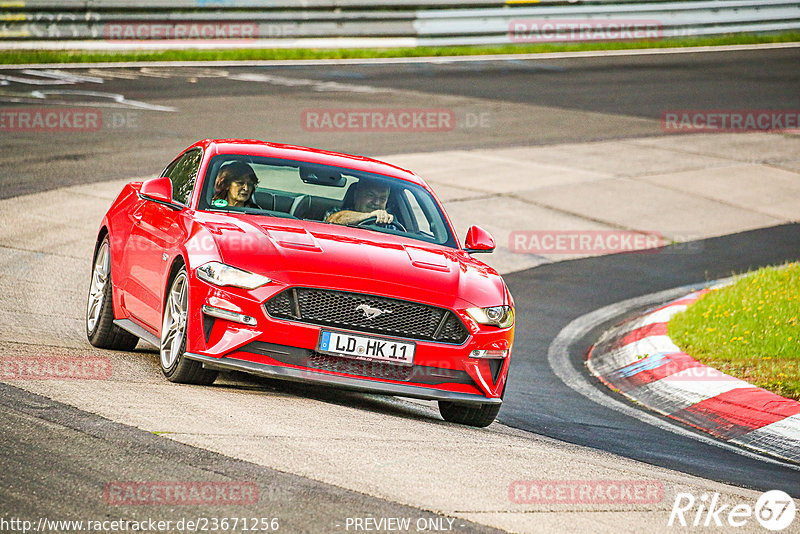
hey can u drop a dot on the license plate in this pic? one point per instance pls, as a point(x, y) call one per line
point(366, 348)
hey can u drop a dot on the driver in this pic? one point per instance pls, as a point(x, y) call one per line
point(369, 201)
point(235, 185)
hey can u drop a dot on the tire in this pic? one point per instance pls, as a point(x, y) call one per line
point(100, 327)
point(175, 366)
point(480, 415)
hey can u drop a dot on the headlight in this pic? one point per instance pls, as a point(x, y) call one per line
point(220, 274)
point(502, 316)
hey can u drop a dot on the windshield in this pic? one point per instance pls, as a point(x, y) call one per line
point(333, 195)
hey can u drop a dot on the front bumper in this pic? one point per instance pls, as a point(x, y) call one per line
point(355, 384)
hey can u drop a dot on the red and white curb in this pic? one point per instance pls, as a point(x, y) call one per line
point(639, 360)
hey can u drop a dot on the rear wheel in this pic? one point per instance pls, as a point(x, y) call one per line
point(175, 366)
point(100, 327)
point(479, 415)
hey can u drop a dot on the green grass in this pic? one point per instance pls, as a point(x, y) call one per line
point(750, 329)
point(78, 56)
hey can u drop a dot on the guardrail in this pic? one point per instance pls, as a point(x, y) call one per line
point(297, 23)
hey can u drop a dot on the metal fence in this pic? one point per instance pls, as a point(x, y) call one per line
point(298, 23)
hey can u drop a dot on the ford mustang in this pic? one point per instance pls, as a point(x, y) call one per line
point(300, 264)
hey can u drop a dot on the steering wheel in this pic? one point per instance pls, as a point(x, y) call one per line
point(372, 221)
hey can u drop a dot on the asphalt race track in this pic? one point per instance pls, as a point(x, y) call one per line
point(577, 100)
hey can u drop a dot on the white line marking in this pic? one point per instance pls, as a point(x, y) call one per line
point(316, 85)
point(406, 60)
point(558, 359)
point(55, 74)
point(34, 81)
point(114, 100)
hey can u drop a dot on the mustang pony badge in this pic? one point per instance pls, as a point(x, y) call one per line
point(370, 312)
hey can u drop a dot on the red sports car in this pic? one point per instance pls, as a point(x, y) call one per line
point(300, 264)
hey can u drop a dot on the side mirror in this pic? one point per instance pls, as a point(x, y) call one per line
point(158, 189)
point(478, 240)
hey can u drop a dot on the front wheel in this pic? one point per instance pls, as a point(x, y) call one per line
point(175, 366)
point(479, 415)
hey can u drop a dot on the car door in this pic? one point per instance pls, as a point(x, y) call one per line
point(157, 229)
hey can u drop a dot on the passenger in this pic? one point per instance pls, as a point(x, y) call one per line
point(235, 185)
point(369, 200)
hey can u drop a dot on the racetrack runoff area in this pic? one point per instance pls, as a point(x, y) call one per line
point(679, 187)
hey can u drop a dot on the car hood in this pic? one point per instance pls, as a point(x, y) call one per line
point(313, 254)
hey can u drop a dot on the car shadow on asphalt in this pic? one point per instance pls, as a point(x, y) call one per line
point(383, 404)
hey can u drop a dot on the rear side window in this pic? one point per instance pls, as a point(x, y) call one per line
point(183, 172)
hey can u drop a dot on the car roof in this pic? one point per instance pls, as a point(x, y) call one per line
point(255, 147)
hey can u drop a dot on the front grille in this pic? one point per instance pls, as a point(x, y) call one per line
point(343, 309)
point(386, 371)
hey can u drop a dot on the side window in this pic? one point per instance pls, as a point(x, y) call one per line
point(183, 172)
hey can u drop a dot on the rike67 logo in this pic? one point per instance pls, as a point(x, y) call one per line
point(774, 510)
